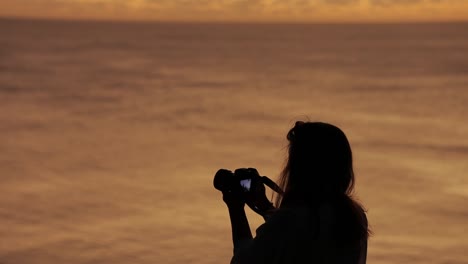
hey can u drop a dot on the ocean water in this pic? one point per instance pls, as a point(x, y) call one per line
point(110, 133)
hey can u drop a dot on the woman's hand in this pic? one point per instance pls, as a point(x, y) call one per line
point(256, 197)
point(234, 199)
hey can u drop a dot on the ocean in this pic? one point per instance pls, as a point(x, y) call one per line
point(111, 132)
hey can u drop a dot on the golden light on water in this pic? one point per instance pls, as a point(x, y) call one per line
point(110, 133)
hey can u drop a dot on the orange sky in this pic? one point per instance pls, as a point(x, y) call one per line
point(242, 10)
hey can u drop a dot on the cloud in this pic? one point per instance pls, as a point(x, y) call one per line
point(225, 5)
point(341, 2)
point(248, 10)
point(249, 4)
point(394, 2)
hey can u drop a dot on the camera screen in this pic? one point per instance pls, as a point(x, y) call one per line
point(245, 184)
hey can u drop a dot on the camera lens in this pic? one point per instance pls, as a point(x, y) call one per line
point(222, 179)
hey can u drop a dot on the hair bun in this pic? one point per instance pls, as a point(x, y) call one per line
point(293, 132)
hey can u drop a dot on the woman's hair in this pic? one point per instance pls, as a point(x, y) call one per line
point(319, 169)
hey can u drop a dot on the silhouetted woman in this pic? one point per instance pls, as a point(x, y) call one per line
point(316, 219)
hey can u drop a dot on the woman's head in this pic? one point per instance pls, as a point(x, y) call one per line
point(319, 163)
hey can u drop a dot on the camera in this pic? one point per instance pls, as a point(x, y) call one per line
point(241, 180)
point(248, 184)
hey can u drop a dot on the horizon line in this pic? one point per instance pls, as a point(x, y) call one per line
point(240, 22)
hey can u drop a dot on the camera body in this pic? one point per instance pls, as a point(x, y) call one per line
point(246, 184)
point(239, 181)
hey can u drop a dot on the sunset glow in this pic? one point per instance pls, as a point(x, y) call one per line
point(111, 132)
point(242, 10)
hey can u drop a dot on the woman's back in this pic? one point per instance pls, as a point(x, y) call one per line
point(342, 232)
point(300, 234)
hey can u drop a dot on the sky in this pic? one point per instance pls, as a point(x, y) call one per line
point(241, 10)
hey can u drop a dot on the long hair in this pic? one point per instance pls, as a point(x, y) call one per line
point(319, 169)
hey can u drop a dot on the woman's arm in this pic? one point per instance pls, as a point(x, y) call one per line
point(235, 200)
point(240, 226)
point(239, 223)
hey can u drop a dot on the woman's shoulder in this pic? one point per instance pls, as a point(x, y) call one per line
point(289, 219)
point(293, 213)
